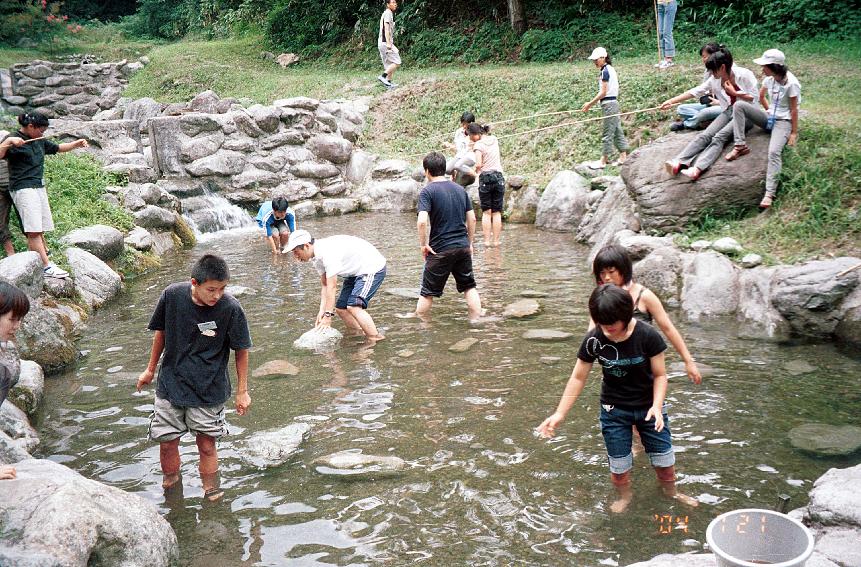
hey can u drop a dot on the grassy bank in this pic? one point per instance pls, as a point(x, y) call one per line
point(817, 209)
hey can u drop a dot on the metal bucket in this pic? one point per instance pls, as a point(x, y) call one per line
point(751, 537)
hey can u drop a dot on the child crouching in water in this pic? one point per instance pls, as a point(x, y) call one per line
point(608, 96)
point(631, 355)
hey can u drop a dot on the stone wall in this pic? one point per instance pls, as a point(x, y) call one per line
point(72, 89)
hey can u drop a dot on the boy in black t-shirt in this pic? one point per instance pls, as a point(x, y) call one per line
point(631, 355)
point(196, 326)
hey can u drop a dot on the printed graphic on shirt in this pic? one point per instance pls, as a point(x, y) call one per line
point(608, 358)
point(208, 328)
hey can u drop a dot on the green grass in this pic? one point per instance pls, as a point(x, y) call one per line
point(817, 207)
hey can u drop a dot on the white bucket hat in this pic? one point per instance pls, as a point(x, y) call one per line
point(598, 53)
point(772, 56)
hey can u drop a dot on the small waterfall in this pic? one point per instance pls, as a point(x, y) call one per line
point(212, 213)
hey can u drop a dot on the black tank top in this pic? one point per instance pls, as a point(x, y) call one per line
point(643, 316)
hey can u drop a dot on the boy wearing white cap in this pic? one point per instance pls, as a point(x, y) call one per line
point(778, 115)
point(354, 259)
point(608, 94)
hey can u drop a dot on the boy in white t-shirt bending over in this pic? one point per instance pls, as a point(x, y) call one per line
point(354, 259)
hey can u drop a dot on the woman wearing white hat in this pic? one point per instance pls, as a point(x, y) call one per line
point(608, 95)
point(778, 115)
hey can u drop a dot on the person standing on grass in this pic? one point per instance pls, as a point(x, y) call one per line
point(491, 183)
point(5, 199)
point(196, 326)
point(352, 258)
point(608, 95)
point(784, 94)
point(14, 304)
point(446, 209)
point(27, 185)
point(666, 19)
point(731, 83)
point(385, 42)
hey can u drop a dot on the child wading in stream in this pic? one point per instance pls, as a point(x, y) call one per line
point(631, 355)
point(196, 326)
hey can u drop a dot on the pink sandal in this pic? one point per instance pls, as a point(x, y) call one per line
point(737, 152)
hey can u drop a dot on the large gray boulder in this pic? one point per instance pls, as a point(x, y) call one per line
point(106, 137)
point(835, 499)
point(668, 204)
point(811, 296)
point(155, 218)
point(16, 425)
point(638, 246)
point(391, 196)
point(360, 164)
point(331, 147)
point(274, 447)
point(709, 286)
point(25, 271)
point(141, 110)
point(521, 203)
point(95, 281)
point(223, 162)
point(611, 213)
point(849, 327)
point(754, 302)
point(11, 451)
point(200, 147)
point(54, 512)
point(319, 338)
point(44, 339)
point(105, 242)
point(564, 202)
point(27, 393)
point(661, 272)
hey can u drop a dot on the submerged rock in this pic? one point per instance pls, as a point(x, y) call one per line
point(532, 293)
point(355, 465)
point(14, 423)
point(826, 440)
point(75, 521)
point(522, 308)
point(275, 368)
point(563, 202)
point(546, 335)
point(463, 345)
point(275, 446)
point(799, 367)
point(322, 338)
point(404, 292)
point(27, 393)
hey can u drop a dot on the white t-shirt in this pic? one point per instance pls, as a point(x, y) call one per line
point(344, 255)
point(387, 18)
point(779, 95)
point(744, 78)
point(608, 75)
point(461, 143)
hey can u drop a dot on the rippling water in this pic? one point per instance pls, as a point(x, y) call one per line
point(480, 489)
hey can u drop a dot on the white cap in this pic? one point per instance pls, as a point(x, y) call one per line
point(598, 53)
point(297, 238)
point(772, 56)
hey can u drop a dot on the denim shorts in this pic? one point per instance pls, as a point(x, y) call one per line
point(616, 424)
point(357, 291)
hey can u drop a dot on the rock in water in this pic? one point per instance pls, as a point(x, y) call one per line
point(275, 368)
point(463, 345)
point(405, 292)
point(826, 440)
point(522, 308)
point(532, 293)
point(355, 465)
point(274, 447)
point(546, 335)
point(322, 338)
point(799, 367)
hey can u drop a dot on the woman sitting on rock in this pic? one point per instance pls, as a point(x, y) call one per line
point(613, 265)
point(730, 83)
point(14, 304)
point(784, 92)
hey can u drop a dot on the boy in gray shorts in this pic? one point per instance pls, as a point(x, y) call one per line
point(196, 326)
point(389, 54)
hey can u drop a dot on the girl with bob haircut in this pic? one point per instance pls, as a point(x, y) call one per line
point(14, 304)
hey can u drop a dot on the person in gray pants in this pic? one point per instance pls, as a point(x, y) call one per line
point(778, 115)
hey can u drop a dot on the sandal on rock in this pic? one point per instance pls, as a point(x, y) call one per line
point(737, 152)
point(673, 167)
point(213, 494)
point(766, 202)
point(692, 173)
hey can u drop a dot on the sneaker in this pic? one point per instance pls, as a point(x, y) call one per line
point(737, 152)
point(54, 271)
point(673, 167)
point(766, 202)
point(692, 173)
point(661, 65)
point(596, 164)
point(385, 81)
point(393, 85)
point(677, 126)
point(668, 64)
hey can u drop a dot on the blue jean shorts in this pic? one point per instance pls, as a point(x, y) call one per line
point(616, 424)
point(357, 291)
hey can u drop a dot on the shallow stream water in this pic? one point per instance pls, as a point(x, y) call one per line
point(480, 488)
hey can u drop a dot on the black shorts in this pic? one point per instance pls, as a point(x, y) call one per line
point(491, 190)
point(457, 262)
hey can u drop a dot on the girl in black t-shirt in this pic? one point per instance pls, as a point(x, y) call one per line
point(631, 355)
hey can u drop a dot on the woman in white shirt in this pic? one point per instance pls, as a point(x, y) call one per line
point(778, 115)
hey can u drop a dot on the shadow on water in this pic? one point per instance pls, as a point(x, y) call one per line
point(479, 488)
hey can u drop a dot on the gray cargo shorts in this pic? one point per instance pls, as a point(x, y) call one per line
point(169, 422)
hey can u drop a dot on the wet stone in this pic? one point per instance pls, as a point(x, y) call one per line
point(522, 308)
point(547, 335)
point(679, 367)
point(404, 292)
point(798, 367)
point(463, 345)
point(274, 447)
point(826, 440)
point(275, 368)
point(324, 338)
point(532, 293)
point(238, 290)
point(355, 465)
point(406, 353)
point(549, 360)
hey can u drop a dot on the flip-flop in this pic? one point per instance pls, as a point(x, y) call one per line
point(213, 494)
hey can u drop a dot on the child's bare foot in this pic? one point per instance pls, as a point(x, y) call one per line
point(621, 504)
point(170, 480)
point(7, 473)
